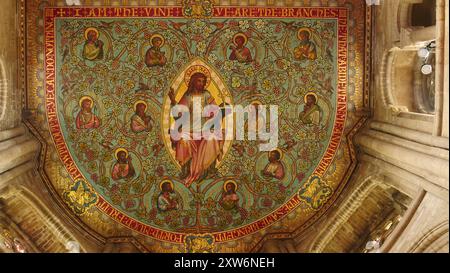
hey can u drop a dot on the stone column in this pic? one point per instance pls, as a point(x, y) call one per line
point(10, 95)
point(443, 62)
point(17, 153)
point(441, 107)
point(17, 148)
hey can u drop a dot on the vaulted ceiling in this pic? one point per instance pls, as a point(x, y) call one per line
point(97, 81)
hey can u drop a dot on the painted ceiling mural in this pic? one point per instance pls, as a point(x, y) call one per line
point(106, 79)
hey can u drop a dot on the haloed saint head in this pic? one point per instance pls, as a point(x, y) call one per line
point(122, 156)
point(310, 100)
point(167, 187)
point(197, 82)
point(157, 42)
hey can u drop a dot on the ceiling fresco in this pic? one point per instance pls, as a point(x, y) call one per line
point(106, 81)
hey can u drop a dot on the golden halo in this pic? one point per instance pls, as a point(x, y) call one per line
point(80, 102)
point(304, 29)
point(166, 181)
point(163, 41)
point(256, 102)
point(86, 32)
point(116, 153)
point(279, 151)
point(138, 102)
point(228, 182)
point(241, 35)
point(194, 69)
point(305, 99)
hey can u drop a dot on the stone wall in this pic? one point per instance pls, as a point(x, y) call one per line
point(399, 151)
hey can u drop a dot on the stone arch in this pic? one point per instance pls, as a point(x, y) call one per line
point(435, 240)
point(403, 85)
point(350, 205)
point(35, 208)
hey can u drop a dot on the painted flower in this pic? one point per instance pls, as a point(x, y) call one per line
point(127, 31)
point(244, 25)
point(147, 164)
point(97, 89)
point(104, 181)
point(137, 23)
point(114, 78)
point(151, 24)
point(174, 42)
point(251, 151)
point(118, 28)
point(83, 86)
point(267, 85)
point(207, 31)
point(268, 31)
point(198, 24)
point(83, 146)
point(327, 34)
point(228, 65)
point(277, 46)
point(278, 28)
point(129, 84)
point(212, 58)
point(281, 78)
point(90, 154)
point(201, 47)
point(301, 135)
point(107, 103)
point(129, 204)
point(122, 141)
point(229, 34)
point(119, 91)
point(73, 60)
point(133, 58)
point(305, 79)
point(236, 82)
point(249, 72)
point(92, 166)
point(260, 24)
point(147, 73)
point(277, 90)
point(285, 64)
point(132, 45)
point(74, 24)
